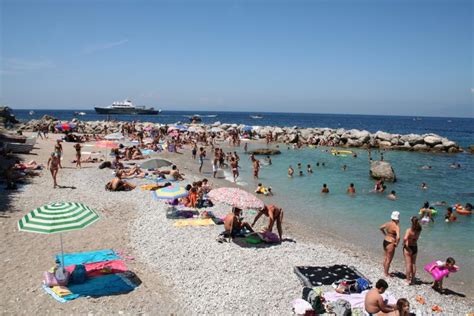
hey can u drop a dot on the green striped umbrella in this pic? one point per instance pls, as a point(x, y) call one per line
point(58, 218)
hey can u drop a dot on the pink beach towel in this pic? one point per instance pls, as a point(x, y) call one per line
point(100, 268)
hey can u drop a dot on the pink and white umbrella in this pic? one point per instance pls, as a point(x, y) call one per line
point(236, 198)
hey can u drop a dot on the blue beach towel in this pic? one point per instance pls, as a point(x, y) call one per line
point(88, 257)
point(58, 298)
point(110, 284)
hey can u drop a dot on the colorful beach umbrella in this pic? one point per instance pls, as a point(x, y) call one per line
point(106, 144)
point(171, 192)
point(58, 218)
point(236, 198)
point(66, 126)
point(114, 136)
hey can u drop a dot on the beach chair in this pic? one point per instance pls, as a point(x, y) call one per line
point(19, 148)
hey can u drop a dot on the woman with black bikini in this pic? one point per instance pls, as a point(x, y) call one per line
point(391, 231)
point(410, 249)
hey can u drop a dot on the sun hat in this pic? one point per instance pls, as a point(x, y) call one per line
point(395, 215)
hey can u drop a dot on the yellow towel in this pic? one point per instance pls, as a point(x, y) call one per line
point(61, 290)
point(149, 187)
point(193, 222)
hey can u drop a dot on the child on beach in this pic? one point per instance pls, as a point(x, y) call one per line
point(78, 147)
point(439, 270)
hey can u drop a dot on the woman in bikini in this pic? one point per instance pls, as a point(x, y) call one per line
point(234, 164)
point(410, 249)
point(391, 231)
point(53, 165)
point(274, 214)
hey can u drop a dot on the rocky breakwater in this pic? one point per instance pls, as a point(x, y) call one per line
point(6, 116)
point(314, 136)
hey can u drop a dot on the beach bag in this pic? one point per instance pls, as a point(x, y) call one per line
point(362, 285)
point(314, 298)
point(78, 275)
point(340, 307)
point(105, 164)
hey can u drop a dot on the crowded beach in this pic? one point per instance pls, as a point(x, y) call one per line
point(200, 243)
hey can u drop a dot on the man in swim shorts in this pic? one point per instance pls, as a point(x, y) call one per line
point(234, 225)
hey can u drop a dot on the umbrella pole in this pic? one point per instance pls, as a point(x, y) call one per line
point(62, 250)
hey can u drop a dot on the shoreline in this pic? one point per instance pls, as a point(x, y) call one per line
point(189, 262)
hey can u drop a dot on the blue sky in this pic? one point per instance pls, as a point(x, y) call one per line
point(368, 57)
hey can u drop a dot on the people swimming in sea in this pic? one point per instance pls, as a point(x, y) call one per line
point(410, 249)
point(269, 160)
point(426, 167)
point(351, 189)
point(379, 186)
point(317, 164)
point(301, 173)
point(299, 165)
point(450, 217)
point(291, 171)
point(263, 190)
point(392, 196)
point(426, 213)
point(325, 189)
point(344, 167)
point(309, 169)
point(455, 165)
point(424, 186)
point(391, 232)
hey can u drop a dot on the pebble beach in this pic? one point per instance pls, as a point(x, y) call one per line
point(183, 270)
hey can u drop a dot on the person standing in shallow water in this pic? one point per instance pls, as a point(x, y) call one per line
point(391, 232)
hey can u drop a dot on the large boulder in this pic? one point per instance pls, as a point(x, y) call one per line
point(432, 140)
point(413, 139)
point(384, 136)
point(385, 144)
point(265, 151)
point(382, 170)
point(421, 147)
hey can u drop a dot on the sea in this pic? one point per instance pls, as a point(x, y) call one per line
point(356, 219)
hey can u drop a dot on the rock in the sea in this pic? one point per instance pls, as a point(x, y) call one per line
point(384, 136)
point(421, 147)
point(413, 139)
point(432, 140)
point(382, 170)
point(265, 151)
point(385, 144)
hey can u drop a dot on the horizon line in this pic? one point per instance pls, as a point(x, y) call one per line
point(263, 112)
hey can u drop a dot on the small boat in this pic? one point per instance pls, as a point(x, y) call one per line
point(31, 113)
point(256, 117)
point(79, 113)
point(212, 115)
point(195, 118)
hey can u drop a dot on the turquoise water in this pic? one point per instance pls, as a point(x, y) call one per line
point(356, 219)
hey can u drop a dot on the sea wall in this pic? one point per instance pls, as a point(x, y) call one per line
point(315, 136)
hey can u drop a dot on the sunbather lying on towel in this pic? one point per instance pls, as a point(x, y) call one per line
point(234, 225)
point(117, 184)
point(134, 172)
point(32, 165)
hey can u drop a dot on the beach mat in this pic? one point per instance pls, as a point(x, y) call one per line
point(194, 222)
point(317, 276)
point(112, 284)
point(88, 257)
point(181, 214)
